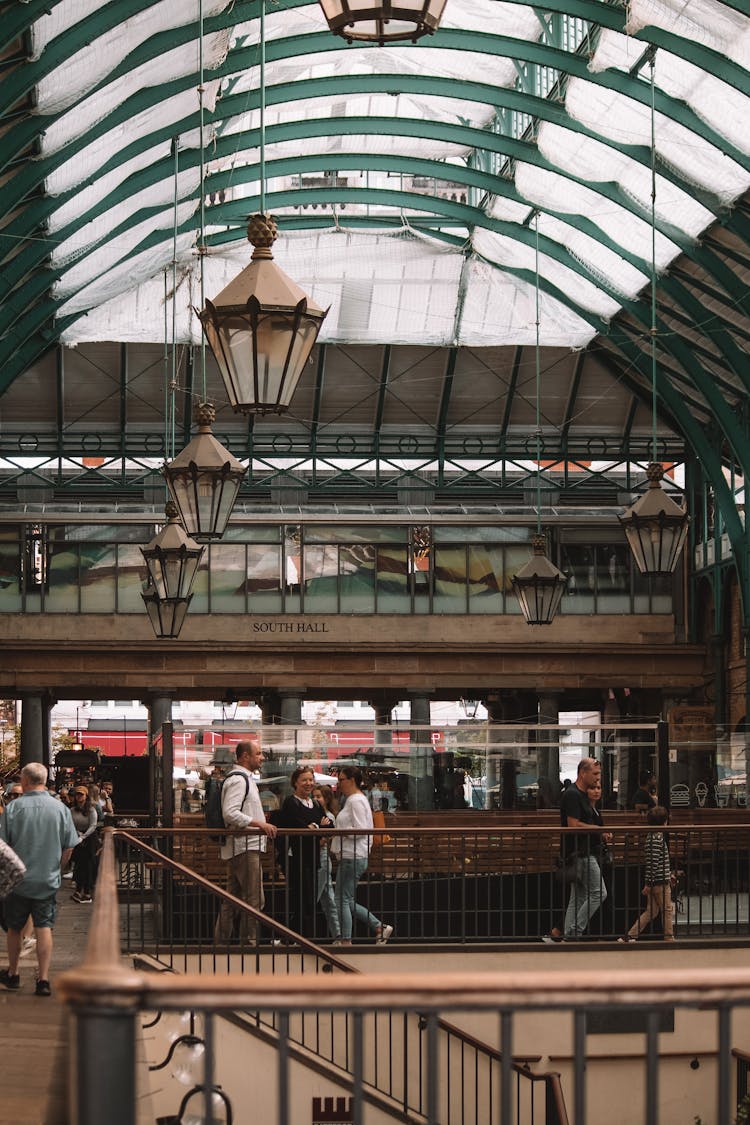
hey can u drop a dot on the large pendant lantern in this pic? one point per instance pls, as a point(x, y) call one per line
point(539, 586)
point(172, 560)
point(261, 329)
point(391, 21)
point(655, 527)
point(204, 480)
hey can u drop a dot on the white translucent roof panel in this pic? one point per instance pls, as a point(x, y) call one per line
point(554, 192)
point(97, 276)
point(83, 163)
point(517, 255)
point(626, 121)
point(84, 70)
point(401, 286)
point(501, 309)
point(94, 108)
point(706, 22)
point(713, 100)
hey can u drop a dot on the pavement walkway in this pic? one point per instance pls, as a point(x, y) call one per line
point(34, 1042)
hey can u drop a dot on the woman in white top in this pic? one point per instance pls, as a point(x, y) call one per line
point(353, 854)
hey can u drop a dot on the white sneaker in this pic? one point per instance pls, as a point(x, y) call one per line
point(28, 947)
point(382, 935)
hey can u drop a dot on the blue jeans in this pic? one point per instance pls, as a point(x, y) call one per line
point(348, 874)
point(587, 894)
point(326, 896)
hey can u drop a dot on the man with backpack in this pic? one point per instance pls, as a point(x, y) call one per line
point(241, 808)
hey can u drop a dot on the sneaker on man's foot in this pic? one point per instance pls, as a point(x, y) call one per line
point(42, 988)
point(553, 937)
point(84, 898)
point(382, 934)
point(28, 946)
point(10, 980)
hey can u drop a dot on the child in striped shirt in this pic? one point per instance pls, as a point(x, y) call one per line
point(659, 880)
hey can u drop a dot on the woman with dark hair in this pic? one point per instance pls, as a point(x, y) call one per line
point(302, 853)
point(84, 854)
point(353, 855)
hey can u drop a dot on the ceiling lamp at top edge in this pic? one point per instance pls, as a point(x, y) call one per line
point(393, 21)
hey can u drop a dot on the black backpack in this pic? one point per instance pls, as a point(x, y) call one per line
point(214, 815)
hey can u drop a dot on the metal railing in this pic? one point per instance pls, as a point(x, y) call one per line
point(494, 884)
point(395, 1068)
point(105, 997)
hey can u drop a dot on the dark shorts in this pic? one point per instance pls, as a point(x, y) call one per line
point(42, 910)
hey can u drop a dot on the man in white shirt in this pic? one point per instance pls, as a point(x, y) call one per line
point(241, 808)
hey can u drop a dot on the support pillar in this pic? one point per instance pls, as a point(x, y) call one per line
point(161, 768)
point(270, 708)
point(35, 739)
point(422, 774)
point(549, 747)
point(290, 709)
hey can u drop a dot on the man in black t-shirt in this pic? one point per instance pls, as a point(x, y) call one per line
point(587, 892)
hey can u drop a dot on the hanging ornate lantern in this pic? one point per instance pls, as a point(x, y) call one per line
point(172, 560)
point(655, 527)
point(204, 480)
point(261, 329)
point(391, 21)
point(539, 586)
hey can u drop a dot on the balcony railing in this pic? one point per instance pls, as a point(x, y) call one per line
point(436, 885)
point(106, 997)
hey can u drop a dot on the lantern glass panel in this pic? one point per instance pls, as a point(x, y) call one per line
point(205, 501)
point(166, 616)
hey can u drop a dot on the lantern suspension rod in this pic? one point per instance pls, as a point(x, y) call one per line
point(262, 107)
point(651, 64)
point(202, 210)
point(173, 381)
point(537, 381)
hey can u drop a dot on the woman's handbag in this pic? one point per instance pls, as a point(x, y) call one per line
point(566, 869)
point(12, 869)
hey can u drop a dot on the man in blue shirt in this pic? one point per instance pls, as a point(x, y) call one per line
point(41, 831)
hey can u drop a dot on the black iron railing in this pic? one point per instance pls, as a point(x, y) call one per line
point(474, 885)
point(169, 916)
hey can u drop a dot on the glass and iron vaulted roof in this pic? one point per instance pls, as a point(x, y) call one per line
point(426, 192)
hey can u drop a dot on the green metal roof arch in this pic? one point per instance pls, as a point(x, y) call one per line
point(37, 251)
point(32, 175)
point(721, 410)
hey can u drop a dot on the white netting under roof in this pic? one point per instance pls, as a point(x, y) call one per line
point(503, 251)
point(501, 309)
point(103, 273)
point(89, 66)
point(714, 101)
point(376, 282)
point(628, 122)
point(706, 22)
point(555, 193)
point(159, 195)
point(599, 163)
point(84, 162)
point(603, 262)
point(137, 315)
point(85, 114)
